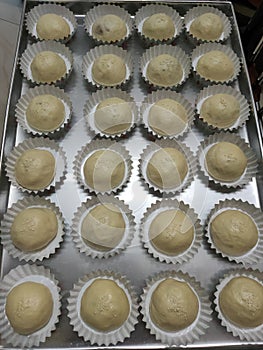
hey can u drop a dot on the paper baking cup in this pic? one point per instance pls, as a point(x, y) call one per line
point(39, 143)
point(82, 212)
point(99, 96)
point(18, 207)
point(98, 51)
point(174, 51)
point(248, 334)
point(151, 214)
point(21, 274)
point(207, 47)
point(159, 144)
point(23, 103)
point(33, 16)
point(32, 50)
point(149, 10)
point(195, 12)
point(252, 163)
point(192, 332)
point(88, 150)
point(84, 330)
point(154, 97)
point(102, 10)
point(256, 253)
point(223, 89)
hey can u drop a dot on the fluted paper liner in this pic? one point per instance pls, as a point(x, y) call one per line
point(21, 274)
point(23, 103)
point(151, 214)
point(8, 219)
point(43, 144)
point(252, 163)
point(192, 332)
point(83, 211)
point(254, 255)
point(84, 330)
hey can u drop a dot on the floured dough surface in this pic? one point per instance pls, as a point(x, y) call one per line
point(159, 27)
point(109, 70)
point(208, 26)
point(52, 27)
point(47, 67)
point(109, 28)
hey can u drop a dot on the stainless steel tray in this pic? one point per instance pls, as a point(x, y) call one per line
point(68, 264)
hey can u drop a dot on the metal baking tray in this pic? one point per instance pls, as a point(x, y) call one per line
point(68, 264)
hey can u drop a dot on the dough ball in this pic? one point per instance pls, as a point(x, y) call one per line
point(47, 67)
point(171, 232)
point(104, 305)
point(52, 27)
point(45, 113)
point(29, 307)
point(234, 232)
point(174, 305)
point(164, 70)
point(167, 168)
point(109, 70)
point(104, 170)
point(241, 302)
point(225, 162)
point(167, 117)
point(159, 27)
point(35, 169)
point(207, 27)
point(220, 110)
point(34, 228)
point(113, 116)
point(215, 65)
point(109, 28)
point(103, 227)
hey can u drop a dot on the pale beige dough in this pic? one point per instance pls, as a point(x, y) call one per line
point(164, 70)
point(174, 305)
point(35, 169)
point(167, 168)
point(225, 161)
point(241, 302)
point(104, 305)
point(109, 70)
point(167, 117)
point(47, 67)
point(45, 113)
point(29, 307)
point(52, 27)
point(109, 28)
point(159, 27)
point(171, 232)
point(113, 116)
point(208, 26)
point(104, 170)
point(234, 232)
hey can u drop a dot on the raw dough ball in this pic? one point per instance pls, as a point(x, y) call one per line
point(34, 228)
point(215, 65)
point(171, 232)
point(52, 27)
point(234, 232)
point(207, 27)
point(220, 110)
point(167, 168)
point(113, 116)
point(35, 169)
point(164, 70)
point(47, 67)
point(225, 161)
point(109, 28)
point(45, 113)
point(103, 227)
point(241, 302)
point(174, 305)
point(109, 70)
point(167, 117)
point(159, 27)
point(104, 305)
point(104, 170)
point(29, 307)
